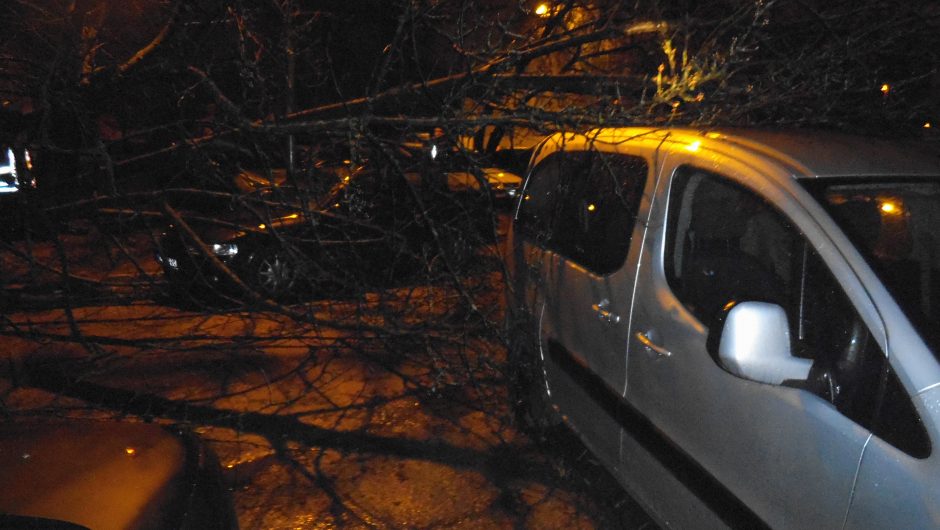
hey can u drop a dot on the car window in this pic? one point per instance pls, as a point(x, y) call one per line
point(726, 245)
point(893, 224)
point(538, 213)
point(584, 206)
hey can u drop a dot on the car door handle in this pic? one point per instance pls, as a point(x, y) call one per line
point(646, 339)
point(603, 314)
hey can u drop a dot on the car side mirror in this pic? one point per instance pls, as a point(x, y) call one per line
point(755, 345)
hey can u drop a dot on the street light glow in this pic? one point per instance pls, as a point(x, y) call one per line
point(542, 10)
point(889, 207)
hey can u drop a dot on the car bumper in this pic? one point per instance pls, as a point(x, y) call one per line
point(188, 268)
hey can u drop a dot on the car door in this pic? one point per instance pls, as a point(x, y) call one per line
point(897, 484)
point(753, 452)
point(891, 222)
point(577, 221)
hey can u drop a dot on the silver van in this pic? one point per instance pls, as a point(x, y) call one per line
point(744, 326)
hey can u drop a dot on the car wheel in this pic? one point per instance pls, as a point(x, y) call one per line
point(276, 273)
point(528, 392)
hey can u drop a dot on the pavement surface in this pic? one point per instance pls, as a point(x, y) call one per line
point(327, 420)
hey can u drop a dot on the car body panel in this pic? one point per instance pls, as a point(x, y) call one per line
point(374, 228)
point(584, 318)
point(830, 154)
point(109, 475)
point(777, 183)
point(779, 455)
point(889, 477)
point(331, 251)
point(810, 449)
point(47, 471)
point(502, 183)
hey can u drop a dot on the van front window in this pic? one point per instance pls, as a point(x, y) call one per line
point(894, 223)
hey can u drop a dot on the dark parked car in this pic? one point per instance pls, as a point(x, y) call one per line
point(102, 475)
point(499, 170)
point(15, 166)
point(372, 229)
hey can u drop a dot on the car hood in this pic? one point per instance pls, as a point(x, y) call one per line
point(208, 232)
point(98, 475)
point(227, 228)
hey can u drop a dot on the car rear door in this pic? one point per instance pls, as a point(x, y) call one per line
point(577, 222)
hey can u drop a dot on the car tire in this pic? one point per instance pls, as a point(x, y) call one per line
point(276, 273)
point(528, 393)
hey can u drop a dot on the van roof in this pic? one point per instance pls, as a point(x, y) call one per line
point(807, 153)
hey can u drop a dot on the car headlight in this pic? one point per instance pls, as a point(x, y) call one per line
point(224, 249)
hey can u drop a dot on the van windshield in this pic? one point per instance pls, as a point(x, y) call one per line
point(896, 225)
